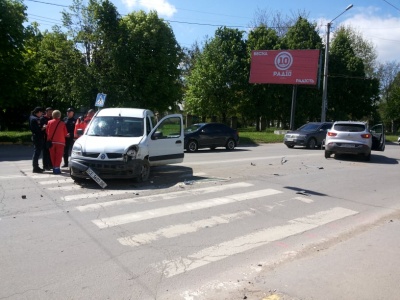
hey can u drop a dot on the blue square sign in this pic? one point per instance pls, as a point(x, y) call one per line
point(100, 100)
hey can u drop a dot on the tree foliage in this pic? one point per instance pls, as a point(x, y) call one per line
point(351, 94)
point(12, 35)
point(215, 86)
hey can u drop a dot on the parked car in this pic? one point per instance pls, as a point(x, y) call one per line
point(348, 137)
point(398, 140)
point(309, 135)
point(210, 135)
point(124, 143)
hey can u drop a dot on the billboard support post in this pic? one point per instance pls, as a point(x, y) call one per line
point(293, 110)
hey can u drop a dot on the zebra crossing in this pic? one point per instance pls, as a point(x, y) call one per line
point(120, 210)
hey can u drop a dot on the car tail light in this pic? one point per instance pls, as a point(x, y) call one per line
point(366, 136)
point(332, 133)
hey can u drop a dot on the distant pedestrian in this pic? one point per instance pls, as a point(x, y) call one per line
point(37, 137)
point(56, 132)
point(44, 120)
point(83, 122)
point(70, 122)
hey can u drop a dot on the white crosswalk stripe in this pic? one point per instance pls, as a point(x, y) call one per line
point(181, 229)
point(191, 199)
point(159, 197)
point(177, 209)
point(244, 243)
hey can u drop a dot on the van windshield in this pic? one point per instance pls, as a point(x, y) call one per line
point(116, 126)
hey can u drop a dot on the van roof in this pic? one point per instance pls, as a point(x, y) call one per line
point(124, 112)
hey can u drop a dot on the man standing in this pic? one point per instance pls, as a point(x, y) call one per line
point(37, 137)
point(70, 122)
point(44, 120)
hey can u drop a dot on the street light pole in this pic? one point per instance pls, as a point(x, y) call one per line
point(325, 82)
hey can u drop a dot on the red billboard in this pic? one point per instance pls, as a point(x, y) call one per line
point(297, 67)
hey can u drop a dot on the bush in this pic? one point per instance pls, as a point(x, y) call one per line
point(15, 137)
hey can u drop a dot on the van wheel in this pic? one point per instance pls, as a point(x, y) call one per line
point(144, 172)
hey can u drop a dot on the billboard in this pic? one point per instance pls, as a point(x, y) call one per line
point(297, 67)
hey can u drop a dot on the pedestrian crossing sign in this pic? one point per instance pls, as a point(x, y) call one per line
point(100, 100)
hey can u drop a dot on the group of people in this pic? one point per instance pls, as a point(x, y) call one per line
point(47, 126)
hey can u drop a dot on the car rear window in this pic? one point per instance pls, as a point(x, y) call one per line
point(349, 127)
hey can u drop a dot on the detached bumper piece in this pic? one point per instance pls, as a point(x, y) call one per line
point(92, 174)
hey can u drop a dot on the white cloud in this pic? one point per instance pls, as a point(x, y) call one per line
point(383, 32)
point(162, 7)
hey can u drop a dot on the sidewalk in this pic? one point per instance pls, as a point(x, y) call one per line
point(366, 266)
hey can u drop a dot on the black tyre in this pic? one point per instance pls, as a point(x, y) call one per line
point(327, 154)
point(230, 144)
point(367, 157)
point(290, 146)
point(311, 143)
point(144, 172)
point(192, 146)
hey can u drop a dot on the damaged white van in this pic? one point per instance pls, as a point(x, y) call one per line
point(123, 143)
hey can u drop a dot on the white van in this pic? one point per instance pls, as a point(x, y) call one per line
point(123, 143)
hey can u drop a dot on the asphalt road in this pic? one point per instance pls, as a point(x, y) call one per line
point(262, 222)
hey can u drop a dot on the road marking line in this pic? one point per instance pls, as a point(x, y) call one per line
point(181, 229)
point(177, 209)
point(96, 195)
point(304, 199)
point(186, 163)
point(61, 180)
point(70, 187)
point(159, 197)
point(12, 176)
point(241, 244)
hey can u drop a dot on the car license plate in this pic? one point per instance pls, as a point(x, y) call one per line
point(348, 145)
point(96, 178)
point(289, 139)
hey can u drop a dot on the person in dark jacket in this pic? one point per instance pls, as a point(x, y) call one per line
point(70, 122)
point(47, 165)
point(37, 137)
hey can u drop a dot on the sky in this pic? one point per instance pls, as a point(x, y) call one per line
point(378, 21)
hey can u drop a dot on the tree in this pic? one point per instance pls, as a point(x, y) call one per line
point(147, 63)
point(362, 49)
point(12, 35)
point(351, 95)
point(61, 75)
point(219, 76)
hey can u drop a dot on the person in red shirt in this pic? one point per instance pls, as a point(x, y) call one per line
point(82, 122)
point(56, 132)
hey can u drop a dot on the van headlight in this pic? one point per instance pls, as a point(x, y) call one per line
point(76, 150)
point(131, 153)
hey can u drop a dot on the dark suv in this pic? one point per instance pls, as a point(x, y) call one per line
point(309, 135)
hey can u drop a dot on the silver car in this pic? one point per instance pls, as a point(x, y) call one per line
point(348, 137)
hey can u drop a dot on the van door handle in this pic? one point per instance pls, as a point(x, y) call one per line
point(178, 142)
